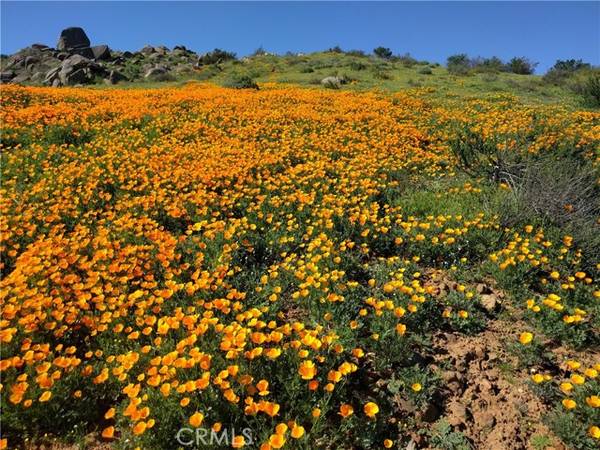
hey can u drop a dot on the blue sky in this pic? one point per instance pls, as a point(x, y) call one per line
point(541, 31)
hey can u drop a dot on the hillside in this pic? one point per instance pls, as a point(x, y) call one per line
point(78, 63)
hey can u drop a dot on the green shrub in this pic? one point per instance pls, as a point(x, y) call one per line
point(458, 64)
point(382, 52)
point(241, 82)
point(521, 66)
point(564, 69)
point(406, 60)
point(215, 57)
point(589, 89)
point(425, 70)
point(381, 74)
point(358, 53)
point(356, 65)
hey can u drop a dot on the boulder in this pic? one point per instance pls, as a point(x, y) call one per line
point(6, 76)
point(155, 72)
point(78, 76)
point(40, 47)
point(51, 75)
point(148, 50)
point(37, 77)
point(20, 78)
point(30, 61)
point(73, 37)
point(101, 52)
point(76, 62)
point(114, 77)
point(333, 82)
point(83, 51)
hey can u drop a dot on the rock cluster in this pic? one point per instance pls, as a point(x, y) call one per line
point(75, 62)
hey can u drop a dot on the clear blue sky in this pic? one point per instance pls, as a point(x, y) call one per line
point(541, 31)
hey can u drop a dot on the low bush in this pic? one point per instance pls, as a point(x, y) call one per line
point(382, 52)
point(588, 87)
point(215, 57)
point(241, 82)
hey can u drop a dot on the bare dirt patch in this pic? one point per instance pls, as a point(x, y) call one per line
point(488, 399)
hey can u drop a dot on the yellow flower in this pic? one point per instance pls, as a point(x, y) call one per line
point(525, 338)
point(108, 432)
point(281, 428)
point(238, 441)
point(346, 410)
point(401, 329)
point(263, 387)
point(569, 403)
point(196, 419)
point(416, 387)
point(537, 378)
point(276, 441)
point(307, 370)
point(139, 428)
point(577, 379)
point(387, 443)
point(371, 409)
point(566, 387)
point(593, 401)
point(297, 432)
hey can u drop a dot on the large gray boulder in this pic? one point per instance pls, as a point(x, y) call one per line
point(101, 52)
point(6, 76)
point(83, 51)
point(148, 50)
point(51, 76)
point(75, 62)
point(156, 73)
point(73, 37)
point(114, 77)
point(78, 76)
point(22, 77)
point(333, 82)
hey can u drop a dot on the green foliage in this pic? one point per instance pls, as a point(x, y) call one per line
point(521, 66)
point(589, 89)
point(241, 82)
point(458, 64)
point(215, 57)
point(445, 438)
point(382, 52)
point(570, 430)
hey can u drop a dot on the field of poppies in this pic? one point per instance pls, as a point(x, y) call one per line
point(295, 268)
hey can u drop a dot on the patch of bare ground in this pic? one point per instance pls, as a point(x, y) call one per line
point(486, 396)
point(488, 400)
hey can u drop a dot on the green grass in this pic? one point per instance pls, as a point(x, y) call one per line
point(374, 74)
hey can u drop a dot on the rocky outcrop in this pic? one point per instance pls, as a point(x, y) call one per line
point(74, 62)
point(72, 38)
point(101, 52)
